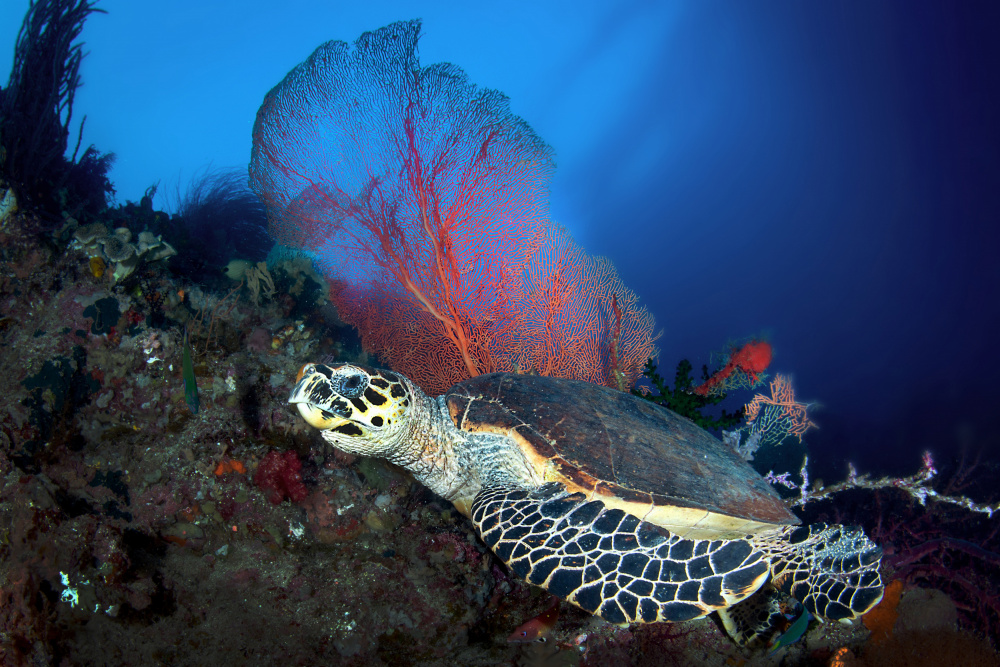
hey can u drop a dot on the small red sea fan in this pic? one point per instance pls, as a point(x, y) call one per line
point(741, 369)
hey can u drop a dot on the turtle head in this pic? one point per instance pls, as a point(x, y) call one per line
point(359, 410)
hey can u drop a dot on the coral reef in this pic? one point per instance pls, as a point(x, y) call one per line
point(136, 532)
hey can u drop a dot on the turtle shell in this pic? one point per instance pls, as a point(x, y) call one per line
point(623, 450)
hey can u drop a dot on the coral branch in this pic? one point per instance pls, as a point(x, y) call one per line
point(917, 486)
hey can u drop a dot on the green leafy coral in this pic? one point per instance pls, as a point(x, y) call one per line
point(682, 400)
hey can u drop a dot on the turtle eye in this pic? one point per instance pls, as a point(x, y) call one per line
point(350, 386)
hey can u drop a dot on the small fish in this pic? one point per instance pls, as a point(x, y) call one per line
point(793, 633)
point(537, 628)
point(190, 388)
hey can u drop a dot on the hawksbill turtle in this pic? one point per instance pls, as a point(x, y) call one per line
point(608, 501)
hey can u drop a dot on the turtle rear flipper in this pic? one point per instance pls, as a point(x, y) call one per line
point(753, 620)
point(609, 562)
point(831, 570)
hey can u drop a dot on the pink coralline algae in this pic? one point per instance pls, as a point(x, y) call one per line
point(279, 475)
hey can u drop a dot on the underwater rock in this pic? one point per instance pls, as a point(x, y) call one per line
point(924, 610)
point(8, 206)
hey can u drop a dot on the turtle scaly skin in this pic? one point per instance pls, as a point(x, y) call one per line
point(611, 503)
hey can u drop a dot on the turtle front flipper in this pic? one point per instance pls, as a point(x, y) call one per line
point(831, 570)
point(609, 562)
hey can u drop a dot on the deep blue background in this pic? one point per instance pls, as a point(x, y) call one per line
point(825, 174)
point(828, 173)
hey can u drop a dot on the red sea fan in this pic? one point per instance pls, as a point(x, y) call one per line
point(424, 200)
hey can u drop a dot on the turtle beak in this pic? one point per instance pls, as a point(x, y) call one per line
point(316, 401)
point(319, 418)
point(303, 385)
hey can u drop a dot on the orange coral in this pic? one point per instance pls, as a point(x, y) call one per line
point(842, 658)
point(228, 465)
point(882, 618)
point(97, 266)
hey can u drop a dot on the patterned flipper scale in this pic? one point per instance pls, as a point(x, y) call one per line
point(831, 570)
point(611, 563)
